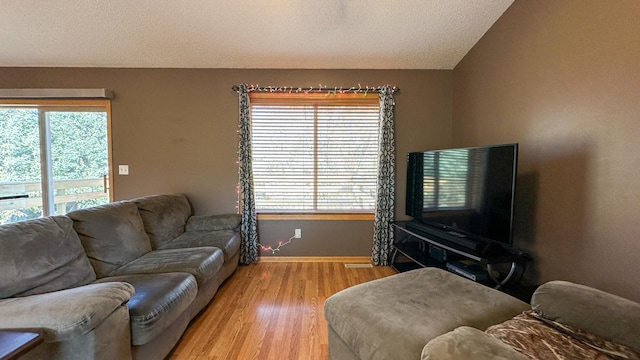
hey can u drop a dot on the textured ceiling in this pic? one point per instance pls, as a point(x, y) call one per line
point(289, 34)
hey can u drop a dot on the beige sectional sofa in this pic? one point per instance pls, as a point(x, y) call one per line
point(118, 281)
point(565, 321)
point(431, 314)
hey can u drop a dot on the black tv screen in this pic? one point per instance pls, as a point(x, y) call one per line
point(465, 192)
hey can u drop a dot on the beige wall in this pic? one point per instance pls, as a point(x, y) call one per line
point(562, 78)
point(176, 129)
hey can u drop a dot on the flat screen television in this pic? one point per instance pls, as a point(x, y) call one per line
point(463, 195)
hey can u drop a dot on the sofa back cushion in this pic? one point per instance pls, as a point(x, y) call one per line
point(164, 216)
point(41, 255)
point(112, 235)
point(595, 311)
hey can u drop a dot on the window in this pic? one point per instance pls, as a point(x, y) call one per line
point(314, 153)
point(54, 157)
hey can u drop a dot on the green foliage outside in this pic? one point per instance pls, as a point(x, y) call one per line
point(79, 146)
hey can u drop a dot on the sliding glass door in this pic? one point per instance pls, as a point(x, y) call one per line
point(54, 158)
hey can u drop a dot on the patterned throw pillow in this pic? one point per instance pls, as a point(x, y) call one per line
point(540, 338)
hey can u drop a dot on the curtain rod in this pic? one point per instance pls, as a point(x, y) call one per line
point(56, 94)
point(320, 88)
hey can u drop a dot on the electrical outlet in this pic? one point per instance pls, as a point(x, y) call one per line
point(297, 234)
point(123, 169)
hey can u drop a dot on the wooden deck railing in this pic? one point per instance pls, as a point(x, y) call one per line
point(10, 189)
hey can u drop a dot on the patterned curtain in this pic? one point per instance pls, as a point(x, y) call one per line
point(386, 184)
point(248, 227)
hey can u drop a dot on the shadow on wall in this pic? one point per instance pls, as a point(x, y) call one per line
point(524, 219)
point(550, 217)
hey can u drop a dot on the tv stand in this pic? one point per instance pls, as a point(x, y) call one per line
point(489, 263)
point(452, 236)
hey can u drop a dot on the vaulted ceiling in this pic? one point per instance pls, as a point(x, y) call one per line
point(280, 34)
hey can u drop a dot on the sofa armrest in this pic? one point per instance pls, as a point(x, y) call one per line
point(595, 311)
point(213, 222)
point(466, 343)
point(64, 314)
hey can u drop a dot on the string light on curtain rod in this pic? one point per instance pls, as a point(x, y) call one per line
point(237, 198)
point(280, 245)
point(320, 88)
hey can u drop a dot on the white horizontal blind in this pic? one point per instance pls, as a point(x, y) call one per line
point(314, 156)
point(446, 179)
point(282, 141)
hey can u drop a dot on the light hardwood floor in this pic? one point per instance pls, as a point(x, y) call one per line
point(271, 310)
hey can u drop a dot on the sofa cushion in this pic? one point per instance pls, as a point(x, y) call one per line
point(65, 314)
point(202, 262)
point(41, 255)
point(394, 317)
point(466, 343)
point(164, 216)
point(226, 240)
point(213, 222)
point(159, 300)
point(112, 235)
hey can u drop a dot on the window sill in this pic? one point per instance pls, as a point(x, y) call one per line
point(315, 216)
